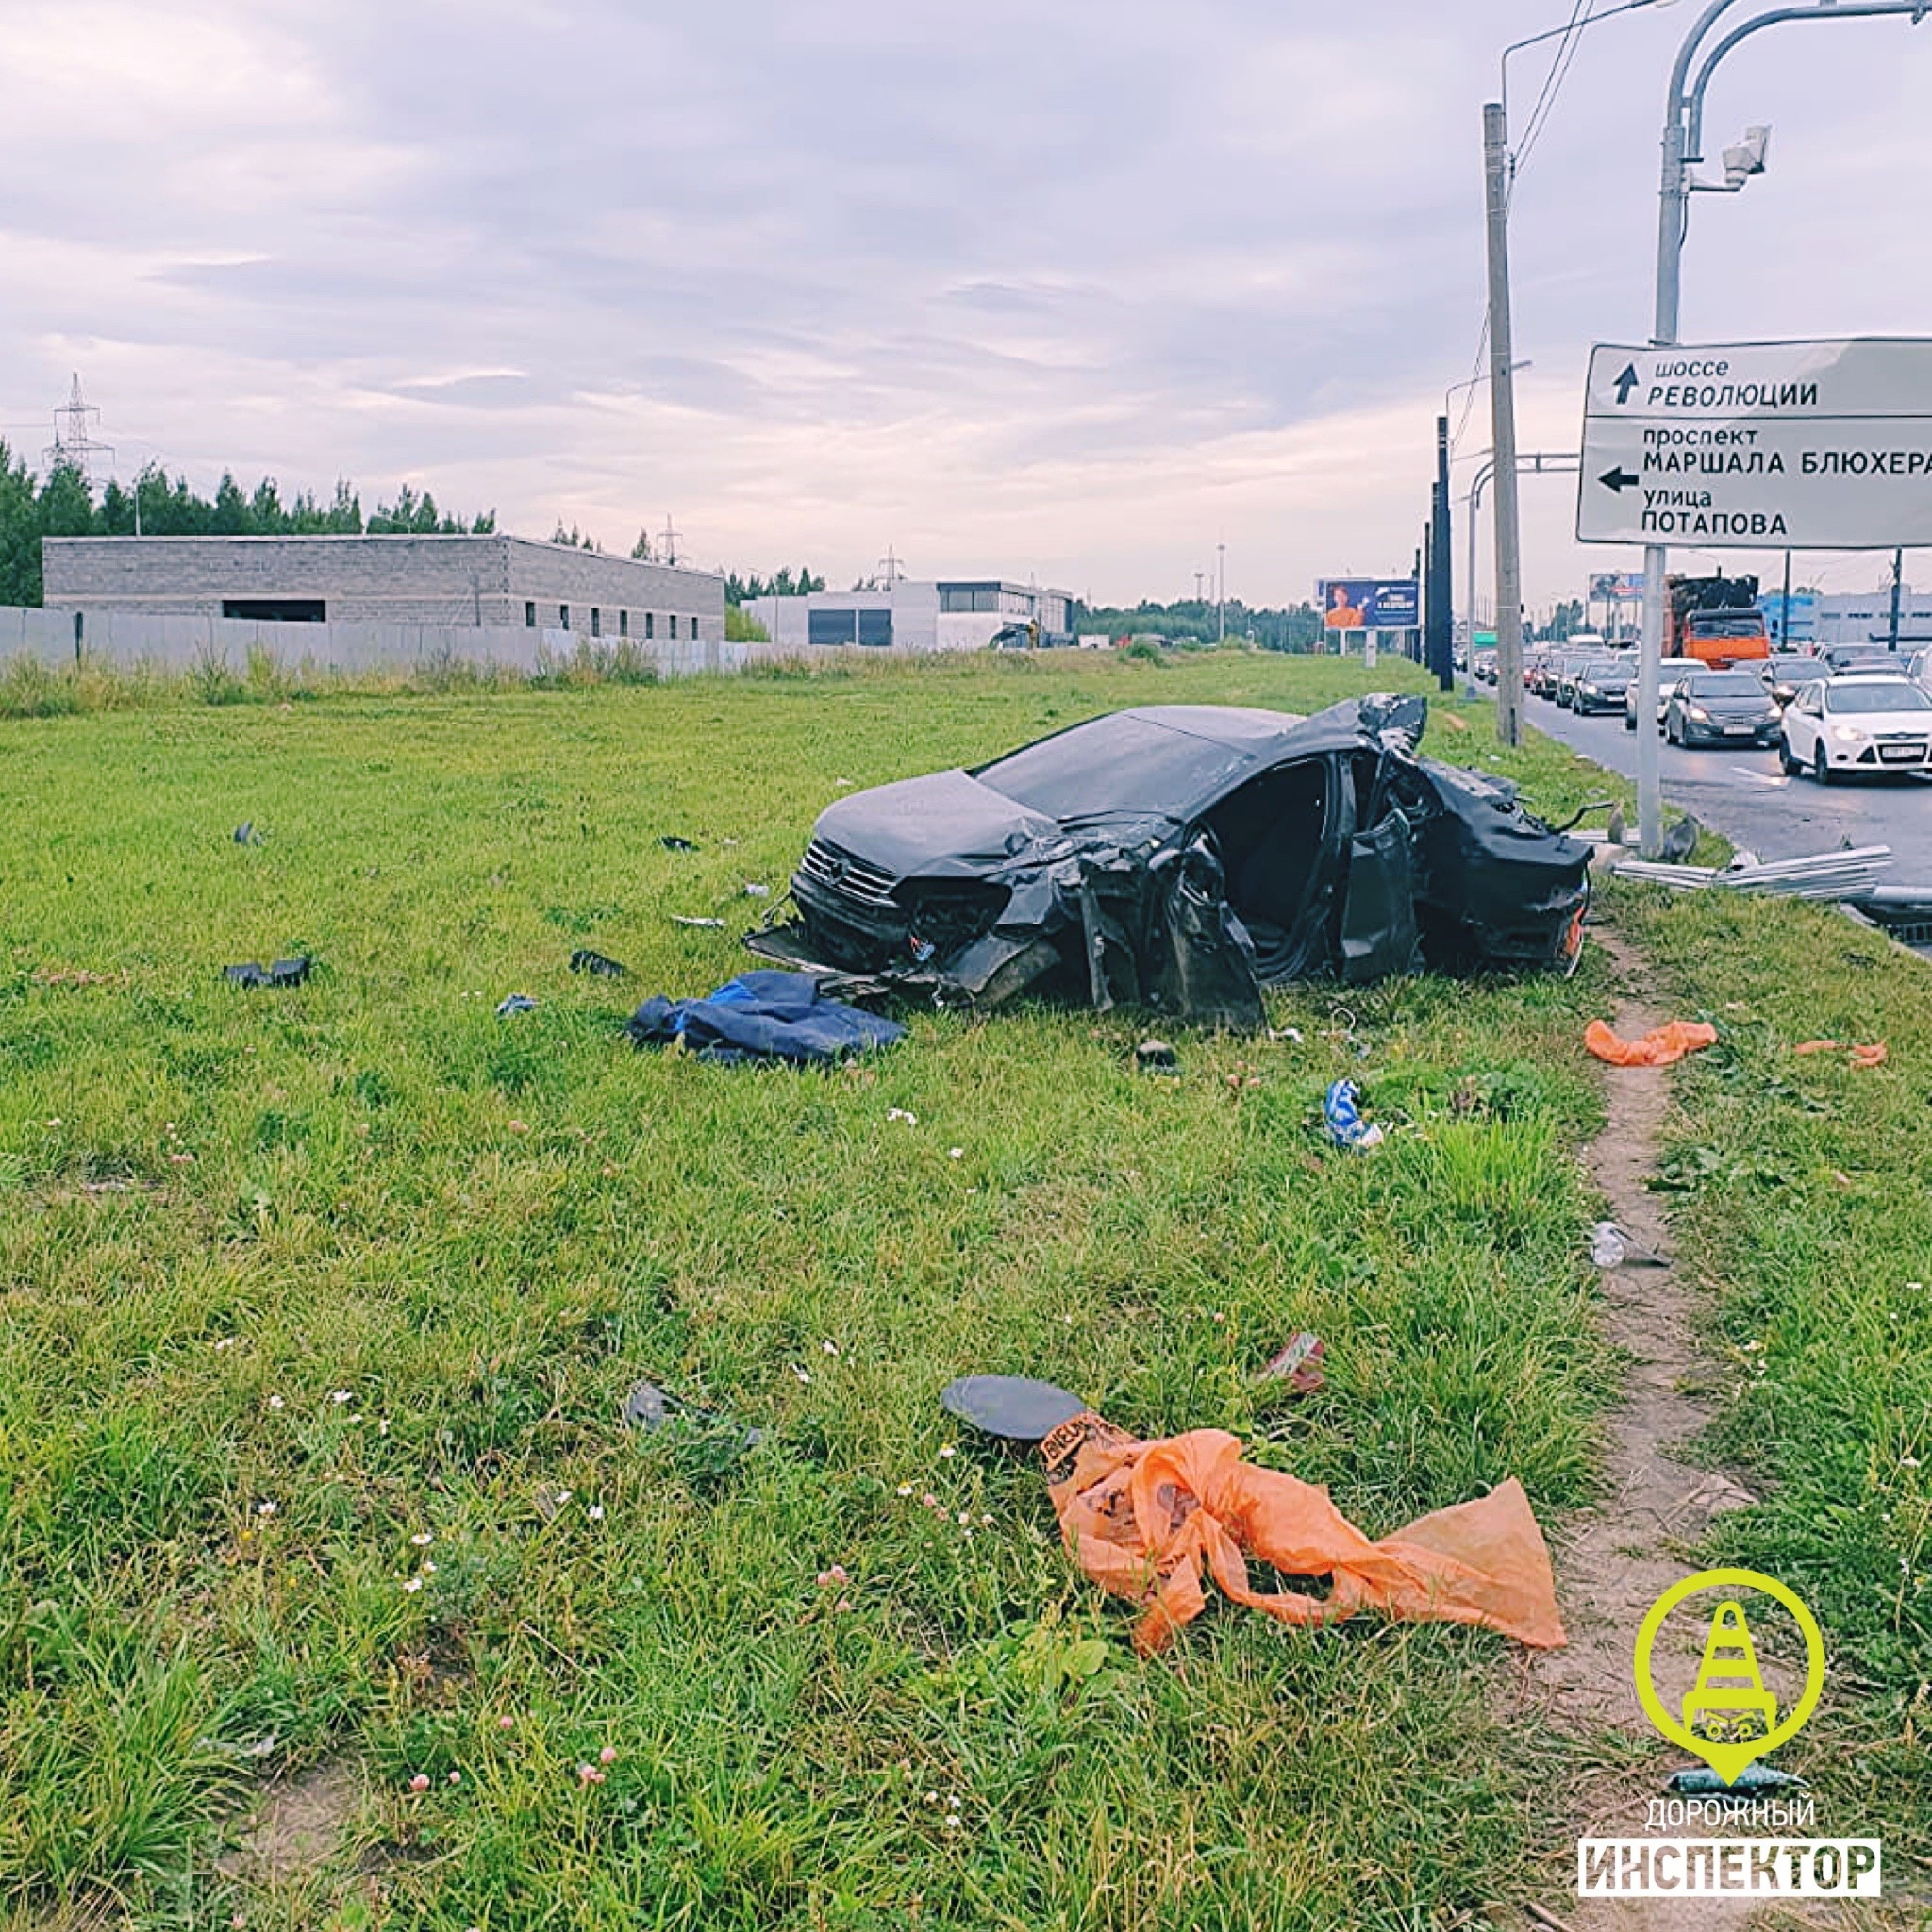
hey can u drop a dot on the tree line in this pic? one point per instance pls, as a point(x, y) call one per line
point(1199, 619)
point(62, 504)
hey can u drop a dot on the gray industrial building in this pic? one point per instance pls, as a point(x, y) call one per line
point(453, 581)
point(1864, 617)
point(959, 614)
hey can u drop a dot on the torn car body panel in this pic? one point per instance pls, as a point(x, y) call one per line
point(1184, 857)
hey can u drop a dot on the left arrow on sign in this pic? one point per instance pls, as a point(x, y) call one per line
point(1619, 480)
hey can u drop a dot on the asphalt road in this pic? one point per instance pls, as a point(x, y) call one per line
point(1743, 795)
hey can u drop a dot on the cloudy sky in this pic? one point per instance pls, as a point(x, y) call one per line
point(1078, 290)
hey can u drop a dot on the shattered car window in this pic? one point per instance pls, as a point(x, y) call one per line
point(1122, 763)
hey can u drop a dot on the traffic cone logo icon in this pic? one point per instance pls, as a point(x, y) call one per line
point(1729, 1692)
point(1729, 1719)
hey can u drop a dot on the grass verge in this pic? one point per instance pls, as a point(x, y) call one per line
point(319, 1306)
point(1799, 1192)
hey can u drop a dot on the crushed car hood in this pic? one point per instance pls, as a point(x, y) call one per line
point(946, 824)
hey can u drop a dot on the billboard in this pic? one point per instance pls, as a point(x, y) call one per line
point(1617, 587)
point(1370, 603)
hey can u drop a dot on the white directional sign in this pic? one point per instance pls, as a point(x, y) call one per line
point(1759, 445)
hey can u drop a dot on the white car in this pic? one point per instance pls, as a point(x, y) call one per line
point(1669, 675)
point(1856, 724)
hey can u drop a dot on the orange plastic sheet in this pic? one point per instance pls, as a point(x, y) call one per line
point(1144, 1518)
point(1657, 1048)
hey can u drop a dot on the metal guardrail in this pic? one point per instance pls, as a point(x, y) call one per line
point(1849, 875)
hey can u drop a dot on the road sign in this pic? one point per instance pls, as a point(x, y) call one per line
point(1759, 445)
point(1370, 602)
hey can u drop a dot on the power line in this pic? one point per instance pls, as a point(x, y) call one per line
point(1553, 82)
point(1475, 377)
point(1580, 14)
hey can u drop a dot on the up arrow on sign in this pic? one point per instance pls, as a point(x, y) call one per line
point(1626, 382)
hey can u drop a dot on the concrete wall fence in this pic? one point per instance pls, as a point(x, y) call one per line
point(129, 640)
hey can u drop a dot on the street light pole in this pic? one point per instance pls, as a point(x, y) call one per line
point(1682, 139)
point(1449, 394)
point(1537, 462)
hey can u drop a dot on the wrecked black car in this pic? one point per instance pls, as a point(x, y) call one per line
point(1183, 856)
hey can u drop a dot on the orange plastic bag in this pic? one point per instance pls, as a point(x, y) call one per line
point(1141, 1519)
point(1865, 1056)
point(1657, 1048)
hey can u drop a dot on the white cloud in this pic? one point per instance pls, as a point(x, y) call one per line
point(1084, 290)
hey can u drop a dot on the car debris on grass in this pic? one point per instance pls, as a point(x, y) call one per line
point(283, 973)
point(1298, 1364)
point(597, 964)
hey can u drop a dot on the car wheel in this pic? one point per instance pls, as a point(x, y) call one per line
point(1820, 769)
point(1786, 763)
point(1669, 731)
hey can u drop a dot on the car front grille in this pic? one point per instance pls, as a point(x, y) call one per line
point(1895, 751)
point(824, 864)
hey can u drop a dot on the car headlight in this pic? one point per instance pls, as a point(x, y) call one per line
point(1697, 713)
point(1588, 689)
point(1846, 734)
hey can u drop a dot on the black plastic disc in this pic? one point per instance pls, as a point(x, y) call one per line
point(1009, 1408)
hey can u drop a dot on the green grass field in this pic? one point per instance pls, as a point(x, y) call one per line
point(320, 1305)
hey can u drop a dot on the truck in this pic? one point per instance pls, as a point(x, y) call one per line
point(1715, 620)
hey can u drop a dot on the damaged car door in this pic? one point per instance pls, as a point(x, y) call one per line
point(1379, 934)
point(1205, 969)
point(1317, 872)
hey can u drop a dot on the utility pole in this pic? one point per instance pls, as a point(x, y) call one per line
point(1898, 571)
point(671, 537)
point(1502, 434)
point(1784, 621)
point(1221, 592)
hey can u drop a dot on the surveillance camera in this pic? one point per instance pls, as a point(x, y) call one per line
point(1748, 157)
